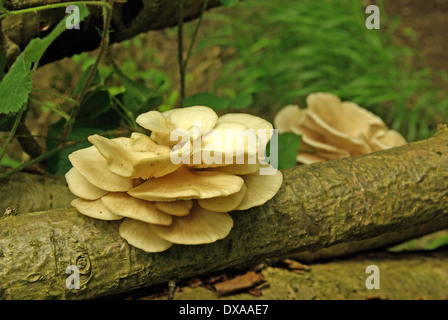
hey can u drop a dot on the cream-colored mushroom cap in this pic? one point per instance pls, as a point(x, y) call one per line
point(126, 158)
point(199, 227)
point(239, 169)
point(122, 204)
point(289, 118)
point(341, 124)
point(163, 201)
point(140, 234)
point(255, 123)
point(257, 190)
point(331, 129)
point(227, 143)
point(309, 158)
point(175, 208)
point(224, 204)
point(344, 117)
point(185, 184)
point(161, 124)
point(260, 189)
point(389, 139)
point(312, 141)
point(94, 209)
point(93, 166)
point(81, 187)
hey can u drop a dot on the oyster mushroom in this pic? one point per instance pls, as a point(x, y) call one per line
point(333, 129)
point(164, 203)
point(142, 236)
point(199, 227)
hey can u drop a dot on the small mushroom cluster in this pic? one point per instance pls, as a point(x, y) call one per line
point(165, 202)
point(331, 129)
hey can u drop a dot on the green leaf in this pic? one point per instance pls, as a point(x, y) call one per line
point(59, 163)
point(241, 101)
point(100, 31)
point(206, 99)
point(3, 61)
point(9, 162)
point(288, 148)
point(229, 3)
point(82, 128)
point(95, 103)
point(133, 88)
point(137, 98)
point(7, 121)
point(16, 85)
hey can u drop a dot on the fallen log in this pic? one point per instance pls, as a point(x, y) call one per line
point(384, 240)
point(26, 192)
point(318, 206)
point(129, 19)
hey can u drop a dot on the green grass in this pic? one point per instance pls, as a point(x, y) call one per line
point(285, 50)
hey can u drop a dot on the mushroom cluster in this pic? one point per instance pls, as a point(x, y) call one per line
point(331, 129)
point(162, 200)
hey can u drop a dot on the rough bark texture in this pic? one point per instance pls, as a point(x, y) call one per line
point(403, 276)
point(129, 19)
point(318, 206)
point(26, 192)
point(383, 240)
point(44, 192)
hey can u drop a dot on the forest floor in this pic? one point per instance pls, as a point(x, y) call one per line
point(429, 20)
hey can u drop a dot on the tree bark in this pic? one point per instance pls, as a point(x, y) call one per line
point(384, 240)
point(45, 192)
point(129, 19)
point(26, 192)
point(318, 206)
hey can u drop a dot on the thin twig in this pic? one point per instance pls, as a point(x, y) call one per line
point(102, 50)
point(184, 62)
point(13, 132)
point(57, 95)
point(52, 108)
point(180, 43)
point(29, 144)
point(54, 6)
point(30, 135)
point(193, 38)
point(55, 150)
point(33, 161)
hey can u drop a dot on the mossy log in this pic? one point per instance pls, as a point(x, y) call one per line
point(26, 192)
point(318, 206)
point(129, 19)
